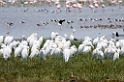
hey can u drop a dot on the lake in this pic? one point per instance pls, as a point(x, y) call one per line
point(36, 15)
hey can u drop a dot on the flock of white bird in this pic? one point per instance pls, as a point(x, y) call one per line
point(101, 47)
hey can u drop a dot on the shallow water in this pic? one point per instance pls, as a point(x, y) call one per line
point(32, 17)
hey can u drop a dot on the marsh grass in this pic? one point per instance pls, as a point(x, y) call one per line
point(56, 70)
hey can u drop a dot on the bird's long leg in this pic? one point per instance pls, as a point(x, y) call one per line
point(60, 27)
point(92, 10)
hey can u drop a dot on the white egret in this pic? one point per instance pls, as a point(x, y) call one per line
point(53, 35)
point(34, 53)
point(17, 51)
point(7, 52)
point(8, 39)
point(72, 35)
point(25, 52)
point(95, 41)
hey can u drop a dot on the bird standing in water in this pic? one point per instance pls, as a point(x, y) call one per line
point(60, 22)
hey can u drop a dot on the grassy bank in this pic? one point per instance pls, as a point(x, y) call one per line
point(82, 66)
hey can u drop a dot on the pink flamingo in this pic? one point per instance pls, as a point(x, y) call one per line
point(79, 6)
point(119, 2)
point(96, 5)
point(68, 7)
point(2, 3)
point(103, 6)
point(91, 7)
point(74, 6)
point(58, 6)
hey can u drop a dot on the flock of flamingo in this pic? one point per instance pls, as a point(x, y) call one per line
point(30, 47)
point(68, 3)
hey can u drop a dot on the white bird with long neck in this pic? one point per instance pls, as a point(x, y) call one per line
point(116, 55)
point(17, 51)
point(35, 47)
point(8, 40)
point(66, 54)
point(73, 50)
point(58, 39)
point(95, 41)
point(37, 43)
point(56, 51)
point(95, 53)
point(53, 35)
point(20, 47)
point(14, 44)
point(67, 44)
point(98, 54)
point(86, 38)
point(45, 52)
point(31, 39)
point(7, 52)
point(34, 53)
point(88, 43)
point(72, 35)
point(69, 52)
point(25, 52)
point(81, 48)
point(109, 52)
point(87, 49)
point(47, 43)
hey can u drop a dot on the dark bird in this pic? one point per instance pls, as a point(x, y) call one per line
point(80, 19)
point(85, 19)
point(60, 22)
point(108, 18)
point(81, 26)
point(9, 24)
point(8, 33)
point(69, 22)
point(45, 23)
point(115, 19)
point(71, 27)
point(100, 19)
point(39, 24)
point(91, 19)
point(117, 34)
point(22, 22)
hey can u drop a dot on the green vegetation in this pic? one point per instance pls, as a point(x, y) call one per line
point(56, 70)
